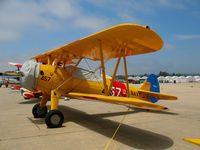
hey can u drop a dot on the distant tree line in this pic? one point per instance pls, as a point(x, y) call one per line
point(161, 73)
point(168, 74)
point(120, 77)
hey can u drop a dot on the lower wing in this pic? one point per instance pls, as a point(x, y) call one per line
point(119, 100)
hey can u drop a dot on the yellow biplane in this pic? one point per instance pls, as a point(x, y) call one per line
point(51, 73)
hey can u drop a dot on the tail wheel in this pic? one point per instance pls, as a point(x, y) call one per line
point(39, 112)
point(54, 119)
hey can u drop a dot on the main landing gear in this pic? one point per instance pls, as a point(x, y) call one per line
point(54, 118)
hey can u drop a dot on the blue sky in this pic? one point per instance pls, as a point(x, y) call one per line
point(31, 27)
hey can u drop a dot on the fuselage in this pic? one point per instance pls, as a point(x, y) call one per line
point(48, 77)
point(66, 82)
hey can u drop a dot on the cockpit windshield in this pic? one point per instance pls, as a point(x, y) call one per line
point(84, 74)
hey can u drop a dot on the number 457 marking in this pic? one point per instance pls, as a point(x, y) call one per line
point(45, 78)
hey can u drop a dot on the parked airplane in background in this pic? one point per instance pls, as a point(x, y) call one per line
point(30, 94)
point(24, 92)
point(16, 72)
point(16, 65)
point(10, 78)
point(50, 74)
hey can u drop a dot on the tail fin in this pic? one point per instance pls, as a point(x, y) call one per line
point(146, 86)
point(151, 84)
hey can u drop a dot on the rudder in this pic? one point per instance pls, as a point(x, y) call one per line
point(152, 78)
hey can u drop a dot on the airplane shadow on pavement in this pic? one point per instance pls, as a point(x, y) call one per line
point(128, 135)
point(30, 101)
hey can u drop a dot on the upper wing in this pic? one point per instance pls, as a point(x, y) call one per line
point(158, 96)
point(11, 73)
point(15, 64)
point(121, 100)
point(132, 39)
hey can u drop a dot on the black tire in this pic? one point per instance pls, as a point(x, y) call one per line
point(54, 119)
point(39, 112)
point(21, 92)
point(26, 98)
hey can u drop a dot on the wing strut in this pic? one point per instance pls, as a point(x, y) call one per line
point(67, 80)
point(49, 60)
point(114, 73)
point(76, 65)
point(126, 74)
point(103, 68)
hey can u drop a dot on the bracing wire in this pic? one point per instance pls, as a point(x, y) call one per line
point(97, 68)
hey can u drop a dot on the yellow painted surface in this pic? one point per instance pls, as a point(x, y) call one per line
point(44, 100)
point(120, 100)
point(146, 86)
point(42, 84)
point(55, 95)
point(134, 39)
point(194, 141)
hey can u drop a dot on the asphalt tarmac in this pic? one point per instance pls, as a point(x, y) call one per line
point(90, 125)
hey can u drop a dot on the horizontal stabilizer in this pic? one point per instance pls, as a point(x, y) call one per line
point(158, 96)
point(120, 100)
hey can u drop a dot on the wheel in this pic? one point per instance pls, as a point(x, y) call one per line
point(54, 119)
point(37, 96)
point(39, 112)
point(21, 90)
point(26, 98)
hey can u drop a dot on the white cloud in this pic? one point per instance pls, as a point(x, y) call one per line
point(169, 46)
point(129, 19)
point(16, 16)
point(127, 10)
point(92, 23)
point(19, 16)
point(125, 6)
point(61, 8)
point(187, 37)
point(171, 3)
point(6, 35)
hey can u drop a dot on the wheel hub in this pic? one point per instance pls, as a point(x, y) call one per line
point(40, 111)
point(55, 119)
